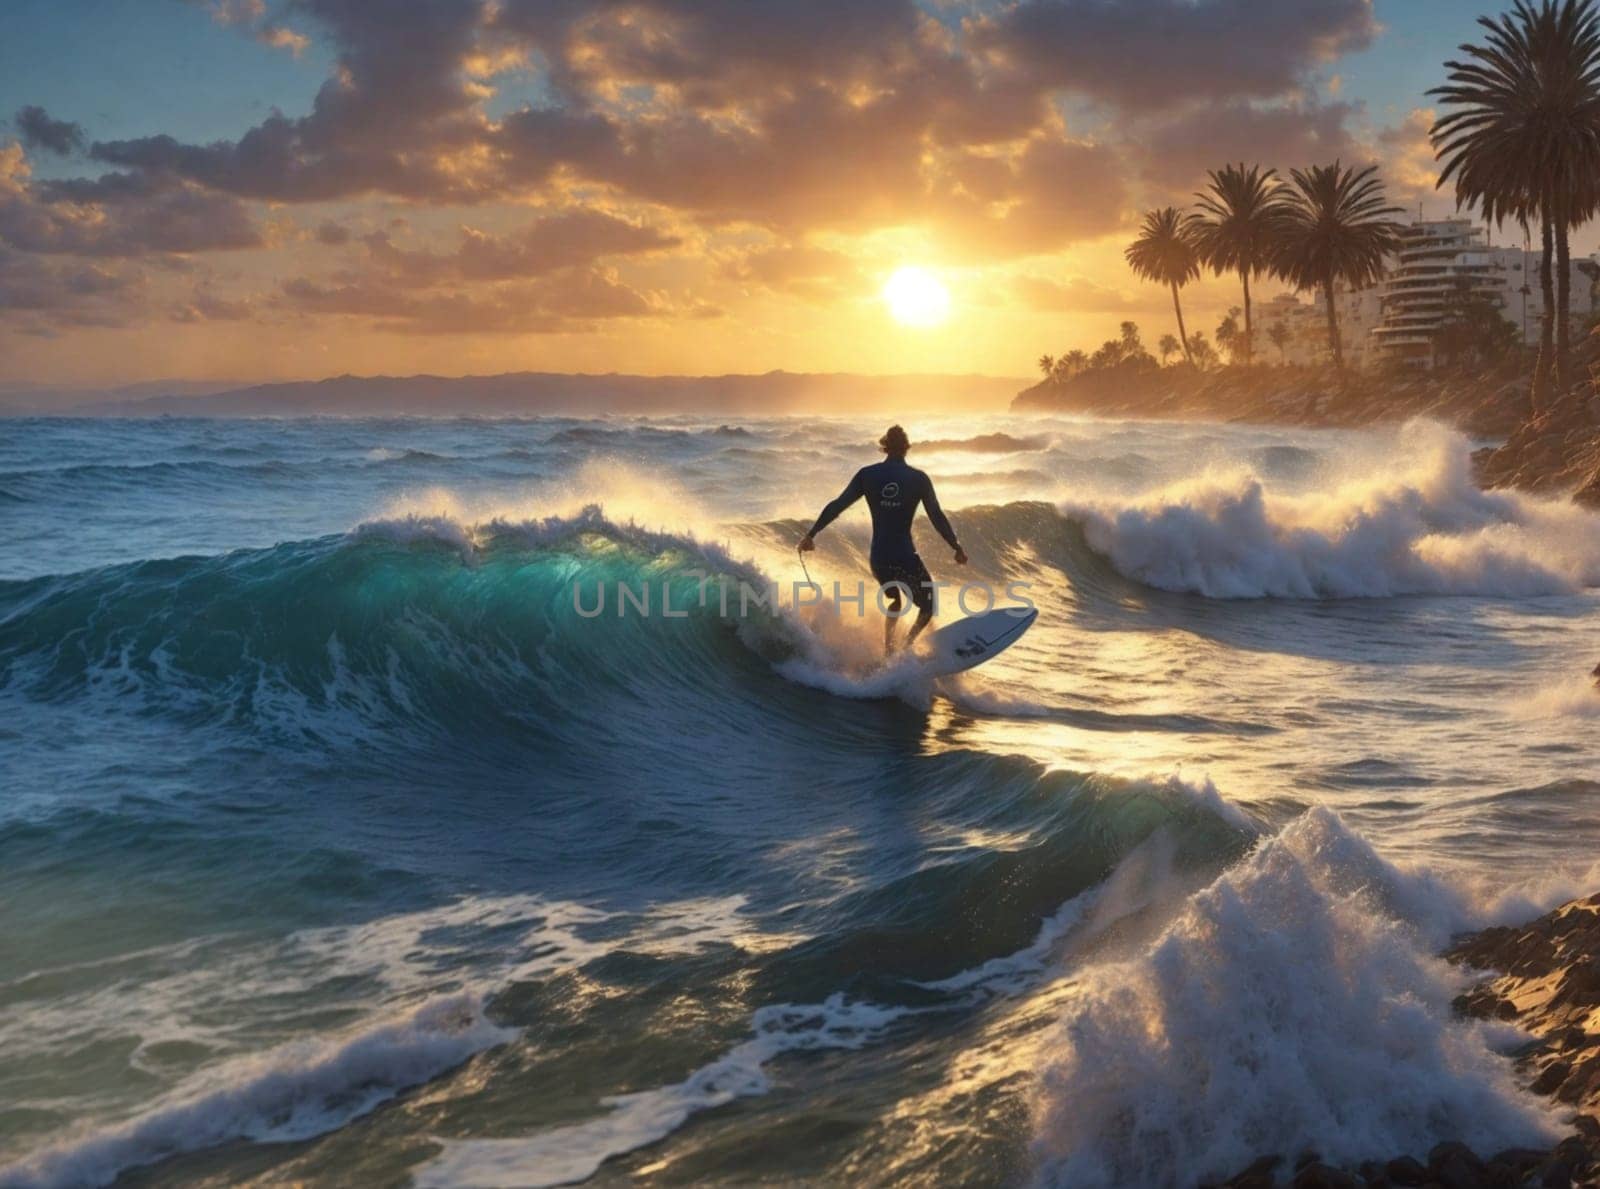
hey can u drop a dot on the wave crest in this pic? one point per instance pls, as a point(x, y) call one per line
point(296, 1092)
point(1291, 988)
point(1426, 530)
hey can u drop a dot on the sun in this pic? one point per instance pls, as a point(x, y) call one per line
point(916, 297)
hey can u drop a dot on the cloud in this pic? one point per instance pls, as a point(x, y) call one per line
point(205, 306)
point(714, 54)
point(39, 131)
point(1053, 193)
point(1406, 152)
point(1075, 295)
point(41, 293)
point(400, 115)
point(564, 301)
point(804, 270)
point(1175, 153)
point(575, 237)
point(281, 37)
point(543, 278)
point(796, 115)
point(252, 15)
point(116, 217)
point(1144, 55)
point(331, 234)
point(787, 114)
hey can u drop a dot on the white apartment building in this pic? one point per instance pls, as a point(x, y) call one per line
point(1395, 320)
point(1305, 327)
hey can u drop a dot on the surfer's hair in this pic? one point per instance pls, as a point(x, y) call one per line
point(894, 441)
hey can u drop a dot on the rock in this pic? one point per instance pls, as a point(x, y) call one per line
point(1551, 981)
point(1451, 1150)
point(1519, 1160)
point(1575, 1152)
point(1317, 1175)
point(1406, 1171)
point(1258, 1176)
point(1551, 1079)
point(1455, 1166)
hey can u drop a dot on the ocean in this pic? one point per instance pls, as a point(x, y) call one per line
point(340, 846)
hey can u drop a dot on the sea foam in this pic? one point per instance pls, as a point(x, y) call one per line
point(1289, 1006)
point(307, 1087)
point(566, 1155)
point(1422, 527)
point(294, 1092)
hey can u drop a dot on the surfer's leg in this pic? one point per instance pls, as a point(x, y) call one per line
point(922, 598)
point(888, 586)
point(924, 617)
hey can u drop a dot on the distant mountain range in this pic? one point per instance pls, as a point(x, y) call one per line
point(533, 393)
point(32, 399)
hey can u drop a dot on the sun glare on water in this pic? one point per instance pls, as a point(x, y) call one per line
point(916, 297)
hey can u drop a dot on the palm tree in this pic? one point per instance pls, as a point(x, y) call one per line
point(1168, 346)
point(1076, 359)
point(1278, 336)
point(1521, 139)
point(1163, 254)
point(1233, 231)
point(1047, 365)
point(1228, 335)
point(1335, 227)
point(1202, 352)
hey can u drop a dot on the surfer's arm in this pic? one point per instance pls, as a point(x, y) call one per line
point(941, 522)
point(848, 496)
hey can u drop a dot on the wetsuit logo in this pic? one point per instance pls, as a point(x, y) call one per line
point(890, 491)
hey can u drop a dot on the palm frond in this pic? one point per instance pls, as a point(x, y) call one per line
point(1520, 134)
point(1335, 226)
point(1232, 230)
point(1163, 253)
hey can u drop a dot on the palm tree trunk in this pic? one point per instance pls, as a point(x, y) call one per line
point(1333, 326)
point(1183, 335)
point(1249, 345)
point(1546, 361)
point(1563, 310)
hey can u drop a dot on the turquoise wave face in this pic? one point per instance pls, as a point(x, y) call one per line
point(546, 632)
point(400, 634)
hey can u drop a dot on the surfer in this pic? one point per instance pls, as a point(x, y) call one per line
point(894, 489)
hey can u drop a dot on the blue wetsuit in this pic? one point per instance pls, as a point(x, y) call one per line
point(893, 490)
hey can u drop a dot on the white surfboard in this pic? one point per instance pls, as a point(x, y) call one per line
point(969, 642)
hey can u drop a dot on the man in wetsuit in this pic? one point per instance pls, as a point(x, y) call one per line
point(893, 489)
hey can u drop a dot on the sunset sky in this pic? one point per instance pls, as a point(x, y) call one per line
point(252, 189)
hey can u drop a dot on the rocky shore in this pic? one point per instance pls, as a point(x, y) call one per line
point(1546, 980)
point(1491, 405)
point(1555, 452)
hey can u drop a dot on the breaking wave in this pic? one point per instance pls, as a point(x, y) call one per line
point(1425, 530)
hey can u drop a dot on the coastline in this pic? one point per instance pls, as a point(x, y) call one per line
point(1542, 977)
point(1553, 453)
